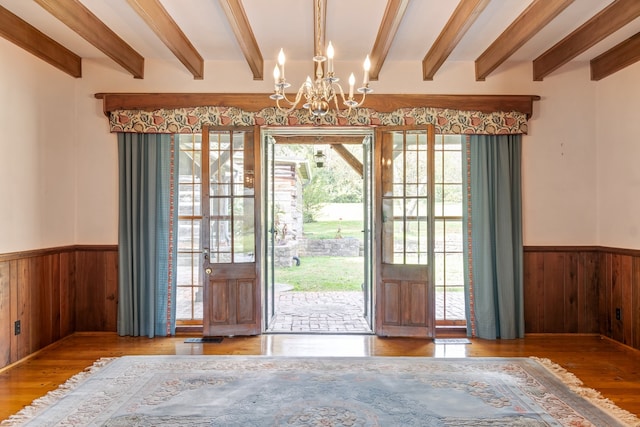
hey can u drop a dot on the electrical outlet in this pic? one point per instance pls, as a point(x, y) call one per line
point(618, 313)
point(16, 327)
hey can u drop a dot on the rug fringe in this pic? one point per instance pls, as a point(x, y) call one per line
point(593, 396)
point(29, 412)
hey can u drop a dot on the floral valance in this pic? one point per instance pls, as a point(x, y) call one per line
point(190, 120)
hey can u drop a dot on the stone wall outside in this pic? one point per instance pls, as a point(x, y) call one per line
point(286, 254)
point(349, 246)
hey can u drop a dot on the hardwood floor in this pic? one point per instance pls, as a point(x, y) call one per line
point(602, 364)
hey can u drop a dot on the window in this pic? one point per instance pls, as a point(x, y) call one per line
point(231, 198)
point(449, 258)
point(189, 285)
point(404, 199)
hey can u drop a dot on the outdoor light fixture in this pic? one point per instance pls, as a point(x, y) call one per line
point(319, 158)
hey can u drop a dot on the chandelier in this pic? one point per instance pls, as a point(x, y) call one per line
point(321, 93)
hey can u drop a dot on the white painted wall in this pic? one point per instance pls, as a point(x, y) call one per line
point(618, 159)
point(37, 153)
point(563, 176)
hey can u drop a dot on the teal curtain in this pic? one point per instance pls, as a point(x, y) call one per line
point(496, 289)
point(147, 214)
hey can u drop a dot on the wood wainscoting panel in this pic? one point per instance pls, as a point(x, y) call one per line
point(23, 289)
point(38, 289)
point(635, 303)
point(583, 290)
point(561, 290)
point(619, 308)
point(6, 330)
point(96, 288)
point(67, 293)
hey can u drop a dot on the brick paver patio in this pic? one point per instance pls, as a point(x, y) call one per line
point(335, 312)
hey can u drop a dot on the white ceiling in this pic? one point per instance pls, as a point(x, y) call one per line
point(352, 26)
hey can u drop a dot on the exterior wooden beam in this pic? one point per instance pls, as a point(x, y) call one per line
point(351, 160)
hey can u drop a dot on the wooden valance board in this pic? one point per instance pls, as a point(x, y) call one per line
point(187, 112)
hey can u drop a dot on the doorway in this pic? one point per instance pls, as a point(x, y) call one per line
point(317, 229)
point(418, 237)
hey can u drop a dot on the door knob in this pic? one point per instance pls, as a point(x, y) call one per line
point(207, 270)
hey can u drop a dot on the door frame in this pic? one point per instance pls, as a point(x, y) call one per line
point(307, 133)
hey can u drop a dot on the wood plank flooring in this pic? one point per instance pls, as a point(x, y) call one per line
point(602, 364)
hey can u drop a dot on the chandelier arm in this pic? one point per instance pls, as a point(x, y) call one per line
point(349, 102)
point(293, 103)
point(340, 112)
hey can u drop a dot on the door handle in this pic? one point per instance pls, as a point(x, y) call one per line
point(205, 253)
point(208, 270)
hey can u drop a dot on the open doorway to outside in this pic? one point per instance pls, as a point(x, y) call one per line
point(318, 230)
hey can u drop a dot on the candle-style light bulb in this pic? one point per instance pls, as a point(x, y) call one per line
point(276, 74)
point(352, 82)
point(281, 63)
point(330, 53)
point(367, 67)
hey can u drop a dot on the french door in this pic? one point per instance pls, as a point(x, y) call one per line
point(230, 207)
point(405, 304)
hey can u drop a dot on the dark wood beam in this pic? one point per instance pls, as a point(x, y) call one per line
point(244, 34)
point(22, 34)
point(462, 18)
point(159, 20)
point(616, 58)
point(258, 101)
point(80, 19)
point(534, 18)
point(606, 22)
point(351, 160)
point(386, 33)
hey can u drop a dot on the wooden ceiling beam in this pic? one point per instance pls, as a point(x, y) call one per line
point(534, 18)
point(258, 101)
point(606, 22)
point(460, 21)
point(239, 23)
point(159, 20)
point(386, 33)
point(616, 58)
point(80, 19)
point(24, 35)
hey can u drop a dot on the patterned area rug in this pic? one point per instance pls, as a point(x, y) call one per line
point(374, 391)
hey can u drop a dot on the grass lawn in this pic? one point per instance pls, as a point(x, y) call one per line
point(324, 274)
point(329, 229)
